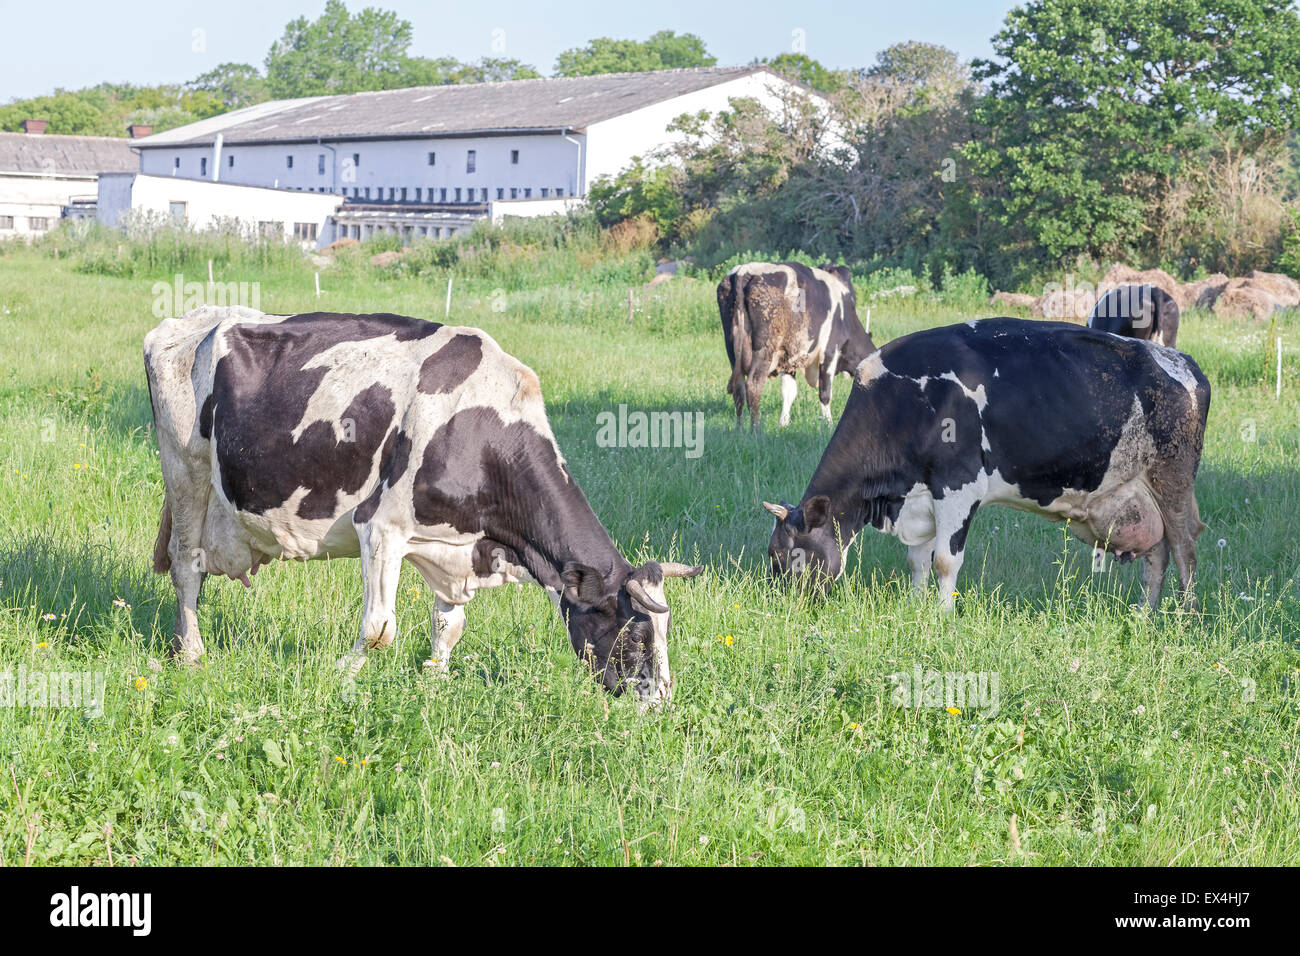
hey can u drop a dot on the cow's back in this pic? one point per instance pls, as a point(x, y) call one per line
point(1043, 402)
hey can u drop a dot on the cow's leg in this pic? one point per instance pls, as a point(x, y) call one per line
point(188, 570)
point(1157, 562)
point(448, 627)
point(187, 579)
point(920, 557)
point(381, 567)
point(789, 390)
point(952, 518)
point(758, 375)
point(1182, 528)
point(824, 382)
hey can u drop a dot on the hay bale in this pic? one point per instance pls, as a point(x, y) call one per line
point(1015, 300)
point(385, 259)
point(1120, 274)
point(1282, 287)
point(1065, 305)
point(1243, 298)
point(1201, 293)
point(337, 244)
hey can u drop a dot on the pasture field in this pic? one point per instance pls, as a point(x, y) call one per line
point(1115, 737)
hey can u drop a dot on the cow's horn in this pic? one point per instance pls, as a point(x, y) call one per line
point(781, 511)
point(643, 600)
point(674, 569)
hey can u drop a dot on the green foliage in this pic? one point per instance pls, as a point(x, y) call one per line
point(664, 50)
point(339, 52)
point(1094, 109)
point(236, 85)
point(804, 69)
point(107, 109)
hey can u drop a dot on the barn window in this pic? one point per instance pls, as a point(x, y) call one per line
point(471, 160)
point(6, 222)
point(230, 160)
point(356, 159)
point(38, 223)
point(176, 163)
point(545, 192)
point(559, 190)
point(403, 194)
point(443, 194)
point(270, 229)
point(417, 193)
point(288, 161)
point(514, 157)
point(501, 193)
point(203, 165)
point(482, 195)
point(177, 211)
point(392, 193)
point(320, 164)
point(432, 158)
point(528, 193)
point(457, 194)
point(305, 231)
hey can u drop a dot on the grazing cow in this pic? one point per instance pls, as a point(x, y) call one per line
point(386, 438)
point(1137, 312)
point(1047, 417)
point(785, 318)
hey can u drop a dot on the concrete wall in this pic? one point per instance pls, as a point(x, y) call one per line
point(207, 202)
point(25, 197)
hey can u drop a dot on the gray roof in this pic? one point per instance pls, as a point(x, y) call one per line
point(52, 154)
point(428, 111)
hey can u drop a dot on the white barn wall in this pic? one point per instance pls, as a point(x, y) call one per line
point(545, 161)
point(612, 143)
point(206, 202)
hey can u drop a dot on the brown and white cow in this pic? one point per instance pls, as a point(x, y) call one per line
point(385, 438)
point(784, 319)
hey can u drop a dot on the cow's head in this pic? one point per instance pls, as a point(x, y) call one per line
point(620, 627)
point(805, 546)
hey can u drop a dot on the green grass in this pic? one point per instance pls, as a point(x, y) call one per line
point(1119, 739)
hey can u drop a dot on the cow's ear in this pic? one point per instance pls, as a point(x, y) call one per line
point(816, 511)
point(584, 585)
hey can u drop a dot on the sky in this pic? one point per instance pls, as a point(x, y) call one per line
point(76, 43)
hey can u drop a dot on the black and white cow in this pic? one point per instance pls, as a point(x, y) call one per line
point(1138, 312)
point(785, 318)
point(1047, 417)
point(386, 438)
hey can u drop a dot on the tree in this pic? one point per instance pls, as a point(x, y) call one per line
point(236, 85)
point(806, 70)
point(1096, 109)
point(664, 50)
point(339, 53)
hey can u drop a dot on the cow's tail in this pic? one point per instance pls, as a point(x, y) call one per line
point(735, 329)
point(162, 559)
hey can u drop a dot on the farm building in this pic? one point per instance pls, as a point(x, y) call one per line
point(430, 161)
point(45, 177)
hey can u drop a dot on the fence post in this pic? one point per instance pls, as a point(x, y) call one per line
point(1278, 396)
point(631, 306)
point(447, 311)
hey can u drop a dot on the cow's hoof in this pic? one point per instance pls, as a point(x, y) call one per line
point(349, 665)
point(183, 656)
point(439, 667)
